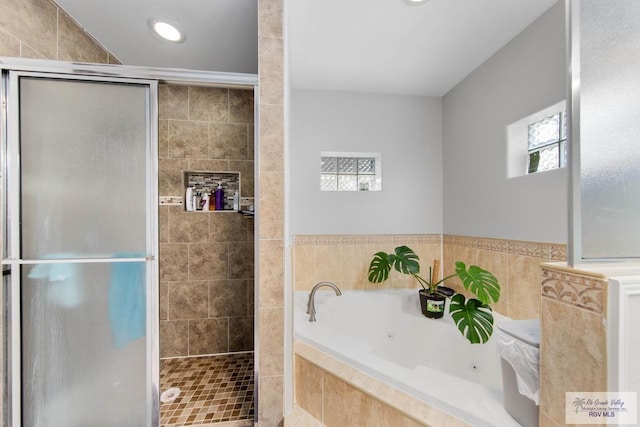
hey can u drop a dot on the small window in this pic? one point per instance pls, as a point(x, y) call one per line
point(547, 143)
point(350, 171)
point(538, 142)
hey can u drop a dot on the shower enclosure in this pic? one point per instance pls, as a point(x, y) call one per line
point(80, 250)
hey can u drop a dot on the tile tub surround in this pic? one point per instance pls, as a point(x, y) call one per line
point(573, 348)
point(516, 265)
point(344, 259)
point(337, 394)
point(206, 258)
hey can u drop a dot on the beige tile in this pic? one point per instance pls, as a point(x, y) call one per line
point(163, 139)
point(170, 177)
point(270, 409)
point(270, 18)
point(355, 261)
point(240, 106)
point(228, 298)
point(173, 262)
point(271, 131)
point(328, 263)
point(271, 273)
point(271, 161)
point(228, 141)
point(113, 60)
point(301, 418)
point(164, 300)
point(163, 219)
point(241, 260)
point(245, 167)
point(525, 283)
point(226, 227)
point(572, 355)
point(271, 217)
point(174, 338)
point(241, 333)
point(308, 387)
point(9, 45)
point(345, 405)
point(27, 51)
point(188, 227)
point(173, 102)
point(385, 416)
point(188, 300)
point(271, 336)
point(208, 336)
point(304, 258)
point(497, 264)
point(208, 165)
point(208, 104)
point(188, 139)
point(518, 312)
point(208, 261)
point(74, 44)
point(270, 57)
point(33, 22)
point(545, 421)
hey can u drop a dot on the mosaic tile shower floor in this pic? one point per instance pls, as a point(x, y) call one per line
point(213, 389)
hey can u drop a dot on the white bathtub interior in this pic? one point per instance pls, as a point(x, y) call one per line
point(384, 334)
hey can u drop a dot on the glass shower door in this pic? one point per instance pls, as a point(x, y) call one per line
point(80, 201)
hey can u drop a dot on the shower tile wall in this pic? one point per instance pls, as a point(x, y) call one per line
point(39, 29)
point(206, 258)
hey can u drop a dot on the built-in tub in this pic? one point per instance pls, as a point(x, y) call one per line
point(383, 334)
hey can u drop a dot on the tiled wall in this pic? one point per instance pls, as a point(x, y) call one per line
point(344, 259)
point(40, 29)
point(270, 182)
point(206, 258)
point(573, 349)
point(516, 265)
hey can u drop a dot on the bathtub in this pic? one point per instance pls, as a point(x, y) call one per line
point(383, 334)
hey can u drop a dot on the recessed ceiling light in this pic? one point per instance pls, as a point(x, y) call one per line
point(416, 2)
point(166, 30)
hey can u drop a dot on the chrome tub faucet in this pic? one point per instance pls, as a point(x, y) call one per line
point(311, 305)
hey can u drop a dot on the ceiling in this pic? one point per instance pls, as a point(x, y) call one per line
point(384, 46)
point(222, 35)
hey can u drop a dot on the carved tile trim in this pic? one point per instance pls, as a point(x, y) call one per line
point(574, 289)
point(547, 251)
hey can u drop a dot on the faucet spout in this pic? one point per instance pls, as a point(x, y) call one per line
point(311, 305)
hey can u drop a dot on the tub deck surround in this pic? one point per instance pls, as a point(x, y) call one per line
point(379, 343)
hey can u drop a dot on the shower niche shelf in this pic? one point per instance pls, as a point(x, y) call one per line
point(206, 182)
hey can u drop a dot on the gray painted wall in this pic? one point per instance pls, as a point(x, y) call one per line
point(407, 130)
point(525, 76)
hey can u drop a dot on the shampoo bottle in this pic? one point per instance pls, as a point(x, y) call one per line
point(205, 201)
point(219, 197)
point(236, 201)
point(188, 199)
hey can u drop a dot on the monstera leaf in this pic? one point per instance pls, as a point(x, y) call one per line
point(473, 318)
point(379, 268)
point(403, 260)
point(480, 282)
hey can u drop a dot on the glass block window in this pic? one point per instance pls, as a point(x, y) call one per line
point(547, 143)
point(350, 171)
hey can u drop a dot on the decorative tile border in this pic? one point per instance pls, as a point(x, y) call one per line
point(574, 289)
point(373, 239)
point(552, 251)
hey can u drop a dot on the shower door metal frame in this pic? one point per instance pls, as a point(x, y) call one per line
point(12, 256)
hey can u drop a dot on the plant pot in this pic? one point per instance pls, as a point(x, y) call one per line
point(432, 304)
point(446, 291)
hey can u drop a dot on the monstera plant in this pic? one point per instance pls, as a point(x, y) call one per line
point(472, 316)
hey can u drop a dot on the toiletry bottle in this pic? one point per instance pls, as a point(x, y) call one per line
point(205, 201)
point(212, 201)
point(188, 199)
point(198, 202)
point(219, 197)
point(236, 201)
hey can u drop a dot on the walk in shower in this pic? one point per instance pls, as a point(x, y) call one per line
point(114, 293)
